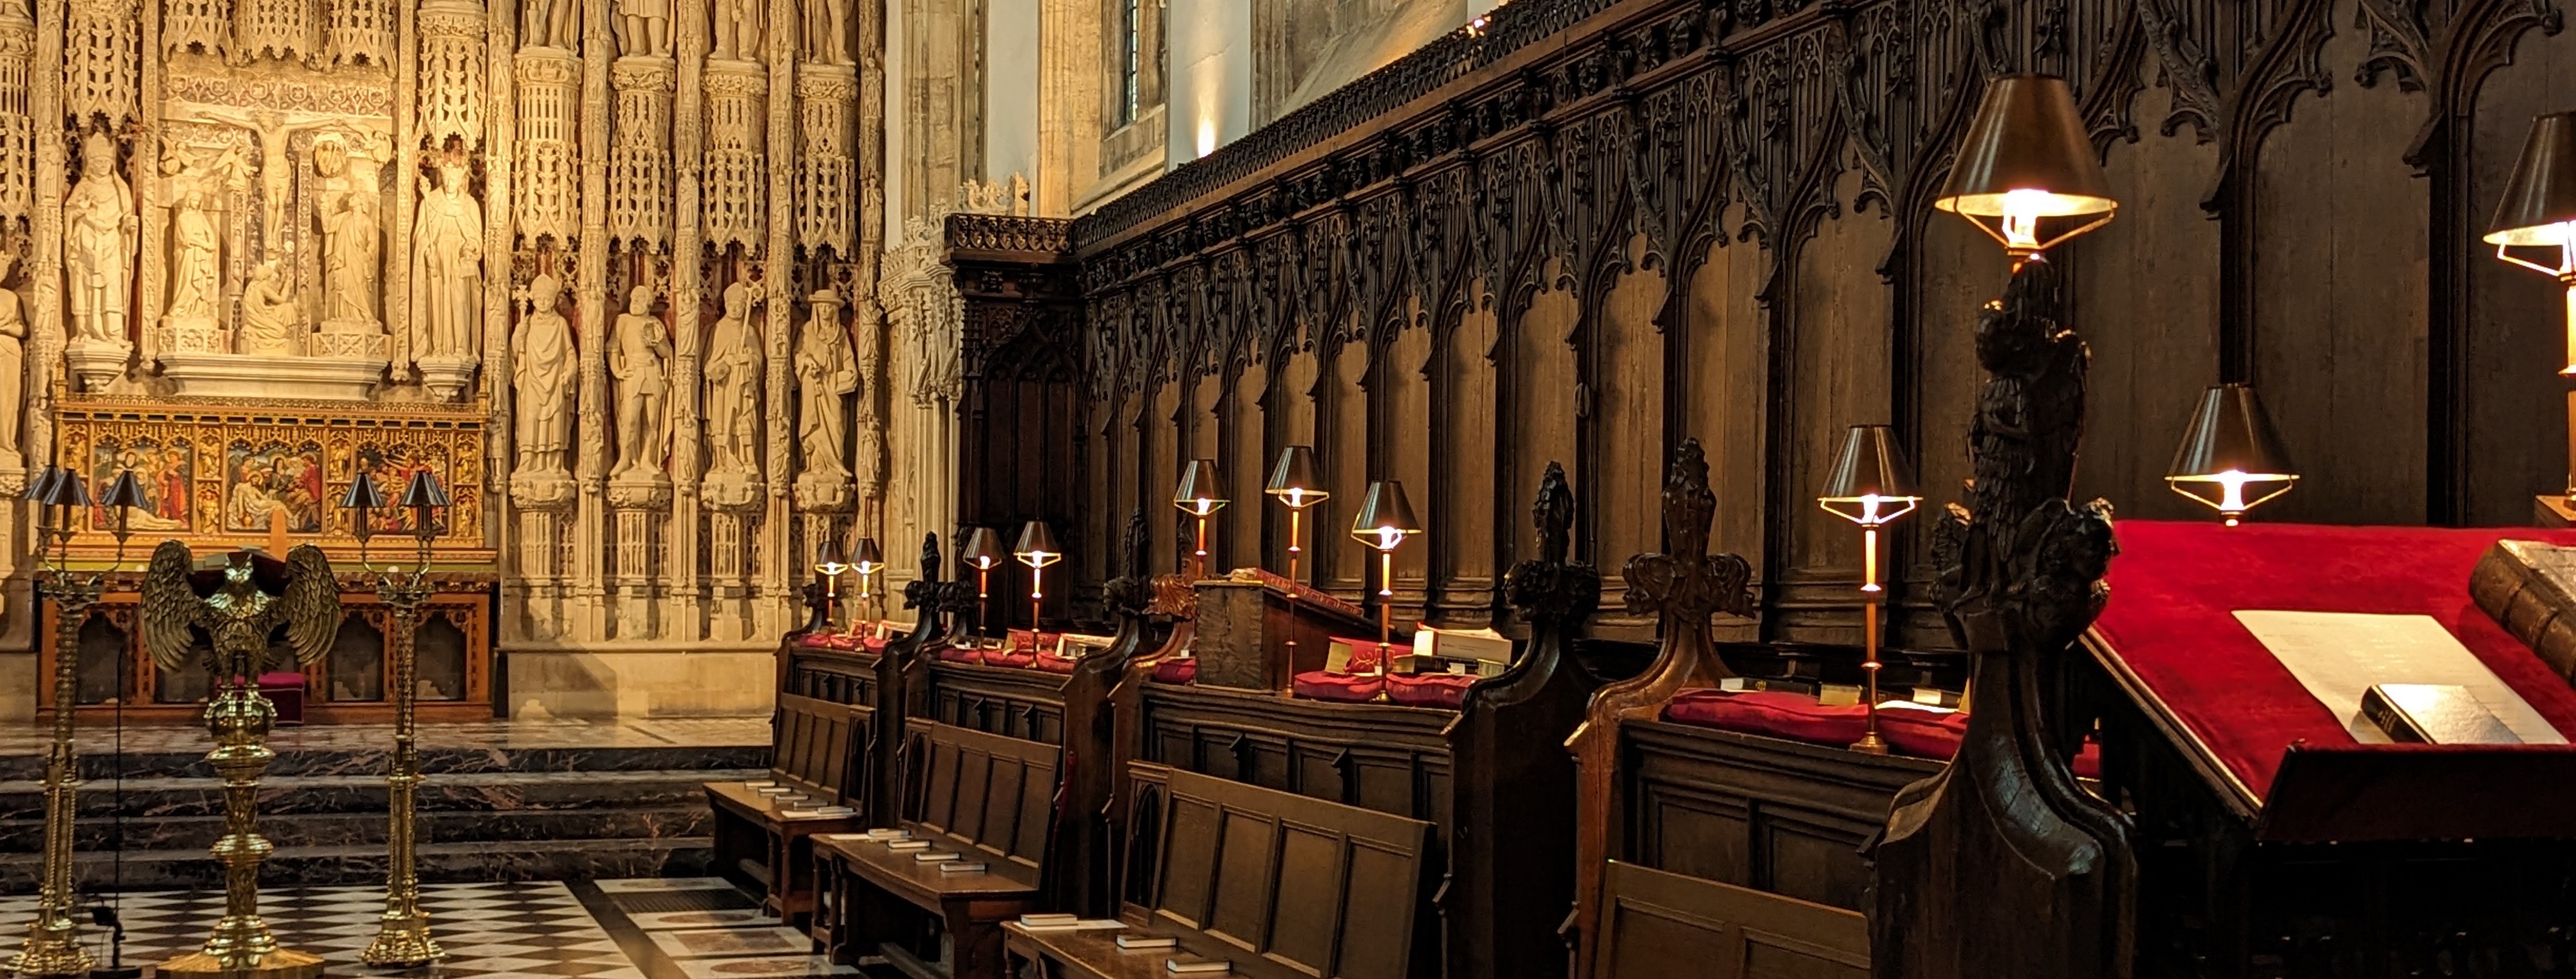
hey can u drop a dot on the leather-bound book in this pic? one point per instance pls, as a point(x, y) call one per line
point(2530, 588)
point(2432, 713)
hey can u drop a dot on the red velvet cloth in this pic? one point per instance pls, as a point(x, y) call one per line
point(285, 690)
point(1182, 670)
point(1013, 659)
point(1364, 657)
point(1055, 664)
point(1798, 717)
point(1428, 689)
point(1319, 685)
point(2175, 585)
point(960, 654)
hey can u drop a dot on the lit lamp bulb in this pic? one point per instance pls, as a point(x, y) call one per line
point(1293, 484)
point(829, 562)
point(1384, 522)
point(1871, 486)
point(867, 561)
point(1037, 550)
point(2230, 458)
point(2538, 214)
point(983, 552)
point(1200, 497)
point(2026, 175)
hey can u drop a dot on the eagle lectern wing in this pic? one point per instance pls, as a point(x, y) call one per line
point(311, 606)
point(170, 605)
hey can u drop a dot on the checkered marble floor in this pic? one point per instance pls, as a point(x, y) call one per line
point(519, 930)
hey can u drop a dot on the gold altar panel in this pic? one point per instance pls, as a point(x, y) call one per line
point(214, 476)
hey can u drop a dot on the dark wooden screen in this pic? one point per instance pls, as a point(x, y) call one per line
point(988, 795)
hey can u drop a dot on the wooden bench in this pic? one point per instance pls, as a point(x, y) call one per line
point(1281, 885)
point(986, 797)
point(821, 741)
point(1656, 924)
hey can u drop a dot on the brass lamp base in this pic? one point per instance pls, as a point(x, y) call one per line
point(283, 963)
point(1870, 744)
point(53, 952)
point(402, 943)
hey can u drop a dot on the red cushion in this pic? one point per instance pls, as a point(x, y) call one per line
point(1319, 685)
point(1922, 733)
point(1796, 717)
point(1055, 664)
point(960, 654)
point(2175, 587)
point(1429, 689)
point(873, 644)
point(1179, 669)
point(281, 680)
point(996, 657)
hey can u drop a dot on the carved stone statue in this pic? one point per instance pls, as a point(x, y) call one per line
point(550, 24)
point(196, 289)
point(824, 43)
point(734, 370)
point(447, 267)
point(541, 366)
point(353, 242)
point(644, 27)
point(738, 29)
point(824, 376)
point(270, 316)
point(638, 359)
point(13, 362)
point(98, 243)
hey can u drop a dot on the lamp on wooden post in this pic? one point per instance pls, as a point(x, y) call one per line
point(983, 551)
point(867, 559)
point(1385, 521)
point(1294, 484)
point(1200, 496)
point(2026, 175)
point(1037, 549)
point(1871, 486)
point(2230, 458)
point(2538, 216)
point(830, 563)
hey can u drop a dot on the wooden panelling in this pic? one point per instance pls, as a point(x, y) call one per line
point(987, 794)
point(1728, 343)
point(1541, 401)
point(1762, 813)
point(1388, 758)
point(2514, 419)
point(1463, 480)
point(1838, 371)
point(1404, 442)
point(1245, 469)
point(1657, 924)
point(1339, 565)
point(1624, 405)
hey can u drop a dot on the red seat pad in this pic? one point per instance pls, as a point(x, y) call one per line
point(1055, 664)
point(996, 657)
point(1429, 689)
point(1319, 685)
point(873, 644)
point(960, 654)
point(2175, 585)
point(1778, 714)
point(1181, 670)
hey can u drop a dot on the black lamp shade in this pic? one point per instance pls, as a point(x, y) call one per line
point(44, 478)
point(65, 489)
point(2026, 152)
point(1037, 547)
point(424, 491)
point(1385, 518)
point(828, 558)
point(363, 494)
point(124, 491)
point(1871, 483)
point(1199, 492)
point(867, 557)
point(983, 549)
point(1293, 480)
point(2540, 199)
point(2231, 458)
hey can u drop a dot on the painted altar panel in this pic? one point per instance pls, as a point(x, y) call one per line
point(214, 476)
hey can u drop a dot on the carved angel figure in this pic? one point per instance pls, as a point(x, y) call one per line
point(241, 613)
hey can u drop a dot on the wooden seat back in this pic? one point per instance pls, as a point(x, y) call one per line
point(1280, 884)
point(819, 746)
point(1656, 924)
point(987, 797)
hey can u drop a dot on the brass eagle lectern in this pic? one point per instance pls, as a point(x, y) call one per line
point(245, 609)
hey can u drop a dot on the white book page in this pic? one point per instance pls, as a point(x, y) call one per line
point(2339, 655)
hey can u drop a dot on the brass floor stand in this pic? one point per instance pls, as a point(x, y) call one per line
point(402, 938)
point(241, 946)
point(53, 946)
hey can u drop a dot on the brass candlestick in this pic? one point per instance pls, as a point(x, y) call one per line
point(1871, 486)
point(1294, 484)
point(402, 931)
point(53, 946)
point(1385, 521)
point(239, 618)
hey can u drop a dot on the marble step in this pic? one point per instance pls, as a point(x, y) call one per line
point(197, 833)
point(322, 866)
point(493, 792)
point(99, 762)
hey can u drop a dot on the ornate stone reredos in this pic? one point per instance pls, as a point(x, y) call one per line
point(1132, 592)
point(1688, 585)
point(1550, 588)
